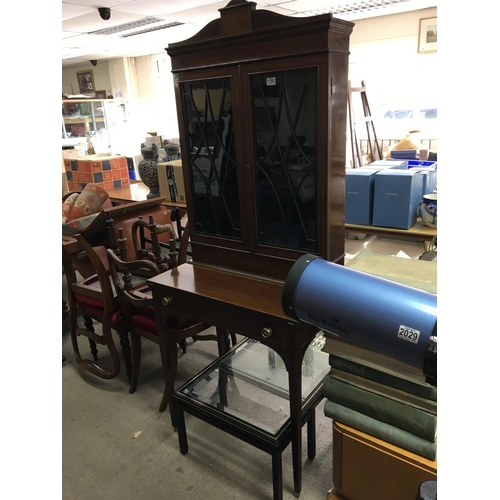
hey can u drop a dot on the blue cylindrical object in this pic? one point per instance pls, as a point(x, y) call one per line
point(376, 313)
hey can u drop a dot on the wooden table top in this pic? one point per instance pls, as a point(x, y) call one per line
point(227, 287)
point(137, 191)
point(419, 229)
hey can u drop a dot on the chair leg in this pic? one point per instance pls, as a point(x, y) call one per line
point(233, 338)
point(87, 320)
point(127, 355)
point(136, 361)
point(183, 345)
point(223, 342)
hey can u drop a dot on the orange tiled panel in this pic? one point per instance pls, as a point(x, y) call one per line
point(88, 167)
point(116, 173)
point(124, 173)
point(67, 165)
point(108, 176)
point(89, 177)
point(81, 176)
point(108, 185)
point(118, 162)
point(96, 166)
point(125, 181)
point(81, 165)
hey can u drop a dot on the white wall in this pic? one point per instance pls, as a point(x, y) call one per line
point(384, 53)
point(156, 88)
point(101, 77)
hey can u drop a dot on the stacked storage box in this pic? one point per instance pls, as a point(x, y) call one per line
point(387, 193)
point(397, 196)
point(111, 172)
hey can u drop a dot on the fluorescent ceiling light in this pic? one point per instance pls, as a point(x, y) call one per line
point(136, 27)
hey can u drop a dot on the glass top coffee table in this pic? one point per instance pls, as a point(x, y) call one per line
point(245, 393)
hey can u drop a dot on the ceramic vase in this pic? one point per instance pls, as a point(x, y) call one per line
point(428, 210)
point(148, 171)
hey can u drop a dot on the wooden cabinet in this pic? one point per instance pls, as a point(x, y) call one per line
point(368, 468)
point(261, 102)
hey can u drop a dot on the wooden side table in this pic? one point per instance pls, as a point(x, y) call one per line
point(245, 392)
point(244, 304)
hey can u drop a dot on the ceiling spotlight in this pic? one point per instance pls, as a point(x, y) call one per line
point(93, 62)
point(105, 13)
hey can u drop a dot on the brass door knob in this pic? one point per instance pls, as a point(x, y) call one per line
point(166, 301)
point(266, 332)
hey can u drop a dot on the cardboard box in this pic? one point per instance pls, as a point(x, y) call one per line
point(397, 196)
point(110, 172)
point(359, 189)
point(171, 181)
point(367, 468)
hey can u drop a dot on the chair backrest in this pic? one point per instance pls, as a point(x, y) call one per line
point(130, 282)
point(147, 245)
point(183, 246)
point(105, 290)
point(96, 299)
point(125, 220)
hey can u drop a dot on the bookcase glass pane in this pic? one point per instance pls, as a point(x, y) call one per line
point(209, 131)
point(284, 107)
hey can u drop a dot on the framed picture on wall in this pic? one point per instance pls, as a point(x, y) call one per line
point(427, 35)
point(85, 81)
point(100, 94)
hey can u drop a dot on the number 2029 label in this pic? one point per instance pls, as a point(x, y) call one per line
point(407, 333)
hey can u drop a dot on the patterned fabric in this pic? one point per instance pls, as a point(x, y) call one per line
point(89, 201)
point(80, 209)
point(77, 226)
point(67, 205)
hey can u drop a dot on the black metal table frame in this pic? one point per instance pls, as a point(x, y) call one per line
point(274, 444)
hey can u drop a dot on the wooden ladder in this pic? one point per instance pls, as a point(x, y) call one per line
point(373, 143)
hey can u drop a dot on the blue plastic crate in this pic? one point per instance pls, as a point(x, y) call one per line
point(418, 163)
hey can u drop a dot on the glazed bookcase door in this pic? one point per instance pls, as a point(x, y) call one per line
point(211, 151)
point(284, 143)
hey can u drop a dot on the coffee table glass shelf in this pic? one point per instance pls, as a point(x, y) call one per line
point(245, 393)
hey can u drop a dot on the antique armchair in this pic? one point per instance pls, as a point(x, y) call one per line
point(147, 245)
point(95, 300)
point(136, 303)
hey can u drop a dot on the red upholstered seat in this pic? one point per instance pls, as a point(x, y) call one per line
point(95, 307)
point(144, 318)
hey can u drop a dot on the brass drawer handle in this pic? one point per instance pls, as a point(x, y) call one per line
point(266, 332)
point(166, 301)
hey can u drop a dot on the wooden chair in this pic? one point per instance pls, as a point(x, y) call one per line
point(136, 303)
point(151, 247)
point(96, 300)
